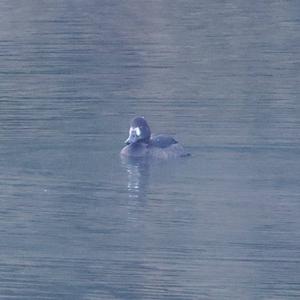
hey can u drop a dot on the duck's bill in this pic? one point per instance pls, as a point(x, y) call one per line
point(130, 140)
point(127, 142)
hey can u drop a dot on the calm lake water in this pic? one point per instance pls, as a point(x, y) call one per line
point(76, 222)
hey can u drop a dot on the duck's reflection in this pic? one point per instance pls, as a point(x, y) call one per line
point(138, 176)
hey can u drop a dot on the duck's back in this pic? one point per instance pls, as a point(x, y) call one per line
point(164, 147)
point(162, 141)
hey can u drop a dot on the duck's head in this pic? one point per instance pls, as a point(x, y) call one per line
point(139, 131)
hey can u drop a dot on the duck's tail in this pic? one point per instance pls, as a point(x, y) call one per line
point(185, 155)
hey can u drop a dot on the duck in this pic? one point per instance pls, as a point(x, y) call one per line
point(141, 143)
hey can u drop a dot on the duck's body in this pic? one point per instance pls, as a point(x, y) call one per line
point(141, 143)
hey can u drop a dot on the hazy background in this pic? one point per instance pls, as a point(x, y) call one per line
point(78, 223)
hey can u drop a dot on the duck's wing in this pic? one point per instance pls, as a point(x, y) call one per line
point(162, 141)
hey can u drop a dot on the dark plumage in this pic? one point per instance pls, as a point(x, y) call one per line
point(140, 143)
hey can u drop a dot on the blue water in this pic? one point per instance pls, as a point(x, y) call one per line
point(77, 222)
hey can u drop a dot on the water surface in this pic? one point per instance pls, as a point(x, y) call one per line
point(76, 222)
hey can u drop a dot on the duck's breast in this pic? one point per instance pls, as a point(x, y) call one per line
point(135, 150)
